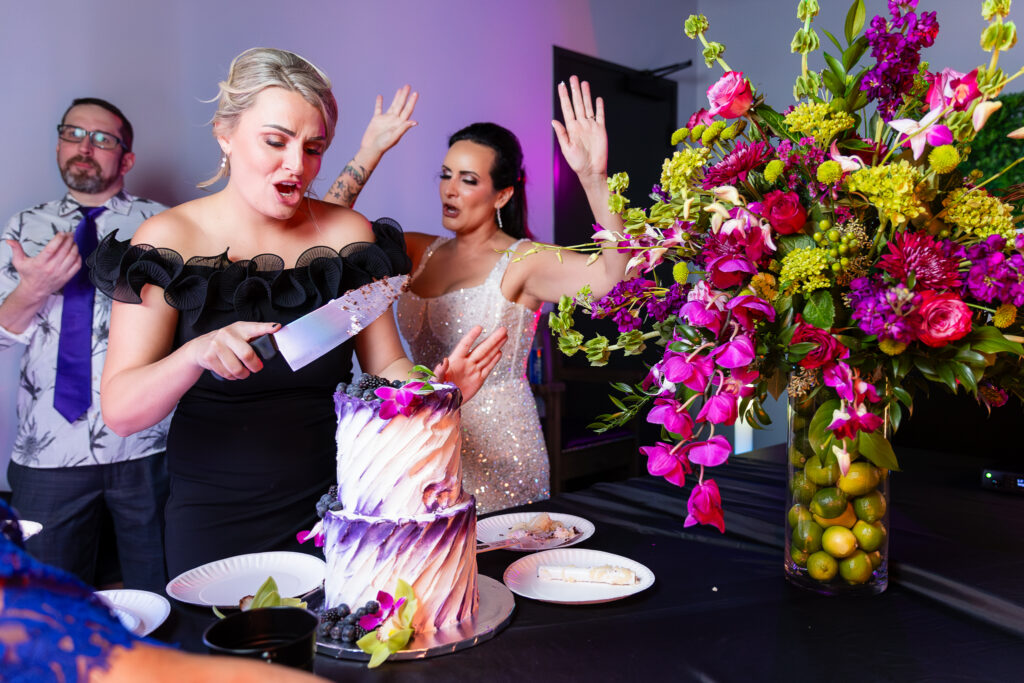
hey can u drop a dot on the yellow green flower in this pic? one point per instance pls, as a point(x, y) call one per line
point(829, 172)
point(890, 188)
point(944, 159)
point(1005, 316)
point(817, 120)
point(891, 347)
point(680, 135)
point(680, 272)
point(697, 131)
point(773, 170)
point(979, 213)
point(734, 131)
point(708, 137)
point(677, 171)
point(805, 269)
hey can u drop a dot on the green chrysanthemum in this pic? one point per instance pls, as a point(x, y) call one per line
point(817, 120)
point(709, 136)
point(734, 130)
point(890, 188)
point(680, 272)
point(680, 135)
point(944, 159)
point(773, 170)
point(805, 269)
point(829, 172)
point(977, 212)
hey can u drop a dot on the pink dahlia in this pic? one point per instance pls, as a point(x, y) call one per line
point(932, 263)
point(737, 164)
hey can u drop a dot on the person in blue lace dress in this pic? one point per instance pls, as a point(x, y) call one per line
point(251, 444)
point(54, 628)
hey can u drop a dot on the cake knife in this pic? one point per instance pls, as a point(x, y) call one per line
point(305, 339)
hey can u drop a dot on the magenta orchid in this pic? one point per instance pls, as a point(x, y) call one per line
point(926, 131)
point(668, 461)
point(673, 415)
point(399, 401)
point(705, 506)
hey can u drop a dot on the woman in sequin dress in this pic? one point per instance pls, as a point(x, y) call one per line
point(475, 277)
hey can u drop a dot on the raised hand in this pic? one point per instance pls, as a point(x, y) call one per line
point(50, 269)
point(582, 137)
point(386, 128)
point(226, 352)
point(467, 367)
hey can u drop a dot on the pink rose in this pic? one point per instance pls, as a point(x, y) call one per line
point(784, 212)
point(827, 348)
point(941, 319)
point(700, 117)
point(731, 96)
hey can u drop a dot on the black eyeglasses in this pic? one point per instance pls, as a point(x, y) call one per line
point(69, 133)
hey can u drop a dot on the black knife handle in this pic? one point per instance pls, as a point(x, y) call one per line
point(264, 346)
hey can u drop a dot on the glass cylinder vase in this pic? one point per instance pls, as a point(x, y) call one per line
point(837, 539)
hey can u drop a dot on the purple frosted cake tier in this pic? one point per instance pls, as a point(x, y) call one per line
point(435, 553)
point(407, 465)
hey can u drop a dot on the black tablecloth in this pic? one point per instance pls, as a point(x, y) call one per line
point(720, 609)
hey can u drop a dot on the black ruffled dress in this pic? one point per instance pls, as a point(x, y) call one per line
point(248, 459)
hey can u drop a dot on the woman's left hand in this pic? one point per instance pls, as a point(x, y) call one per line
point(467, 367)
point(582, 138)
point(386, 128)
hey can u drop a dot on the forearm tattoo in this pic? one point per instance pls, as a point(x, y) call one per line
point(349, 184)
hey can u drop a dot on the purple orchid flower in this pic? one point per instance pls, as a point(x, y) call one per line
point(395, 401)
point(710, 453)
point(663, 462)
point(705, 506)
point(722, 408)
point(388, 606)
point(748, 309)
point(673, 415)
point(736, 353)
point(691, 372)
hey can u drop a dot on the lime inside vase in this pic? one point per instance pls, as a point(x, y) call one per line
point(837, 526)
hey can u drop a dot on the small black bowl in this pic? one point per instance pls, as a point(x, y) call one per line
point(283, 635)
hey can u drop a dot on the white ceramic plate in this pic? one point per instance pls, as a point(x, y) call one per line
point(521, 577)
point(29, 529)
point(495, 529)
point(224, 582)
point(141, 612)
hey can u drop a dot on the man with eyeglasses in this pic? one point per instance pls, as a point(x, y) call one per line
point(67, 466)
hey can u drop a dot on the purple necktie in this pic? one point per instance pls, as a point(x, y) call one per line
point(72, 392)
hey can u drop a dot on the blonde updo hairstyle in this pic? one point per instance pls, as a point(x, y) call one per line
point(260, 68)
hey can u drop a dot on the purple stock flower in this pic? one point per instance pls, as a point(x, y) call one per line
point(896, 46)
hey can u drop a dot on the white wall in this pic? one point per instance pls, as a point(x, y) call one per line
point(471, 60)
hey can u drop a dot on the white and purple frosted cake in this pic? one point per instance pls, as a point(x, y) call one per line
point(403, 513)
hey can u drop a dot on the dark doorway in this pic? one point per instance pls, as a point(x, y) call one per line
point(641, 115)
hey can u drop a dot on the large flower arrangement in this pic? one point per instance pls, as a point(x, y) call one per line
point(833, 246)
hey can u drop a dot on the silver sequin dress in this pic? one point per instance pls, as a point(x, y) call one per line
point(504, 460)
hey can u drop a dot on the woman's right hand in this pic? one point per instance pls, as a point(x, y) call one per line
point(582, 137)
point(227, 353)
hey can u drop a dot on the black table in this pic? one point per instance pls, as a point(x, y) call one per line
point(720, 609)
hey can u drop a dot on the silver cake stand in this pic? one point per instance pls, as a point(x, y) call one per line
point(493, 614)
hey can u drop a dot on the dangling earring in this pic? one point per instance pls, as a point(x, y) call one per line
point(500, 226)
point(223, 161)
